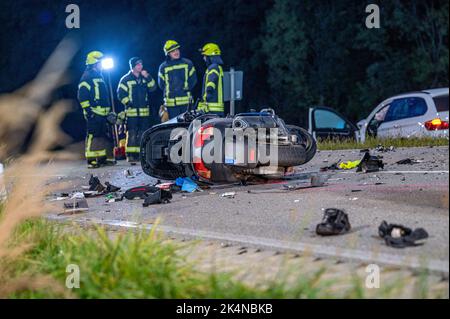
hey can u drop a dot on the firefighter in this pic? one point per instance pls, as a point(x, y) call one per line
point(176, 78)
point(212, 90)
point(134, 93)
point(94, 100)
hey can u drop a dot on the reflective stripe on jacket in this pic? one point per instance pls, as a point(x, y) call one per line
point(176, 78)
point(92, 93)
point(212, 90)
point(133, 93)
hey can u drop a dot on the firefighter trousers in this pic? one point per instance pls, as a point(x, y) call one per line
point(99, 142)
point(136, 126)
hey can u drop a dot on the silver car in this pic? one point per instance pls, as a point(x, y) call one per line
point(415, 114)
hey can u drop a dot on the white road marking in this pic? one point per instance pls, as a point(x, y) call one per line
point(399, 172)
point(320, 250)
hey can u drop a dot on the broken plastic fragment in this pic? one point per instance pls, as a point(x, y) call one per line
point(128, 173)
point(228, 194)
point(75, 206)
point(409, 161)
point(370, 163)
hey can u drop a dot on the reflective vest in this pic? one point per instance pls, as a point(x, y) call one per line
point(176, 78)
point(133, 93)
point(92, 94)
point(212, 91)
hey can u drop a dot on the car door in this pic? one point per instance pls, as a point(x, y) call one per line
point(326, 123)
point(403, 117)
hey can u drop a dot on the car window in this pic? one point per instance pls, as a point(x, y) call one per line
point(381, 114)
point(325, 119)
point(406, 107)
point(441, 103)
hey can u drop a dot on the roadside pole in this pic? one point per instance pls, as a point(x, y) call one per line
point(116, 133)
point(232, 92)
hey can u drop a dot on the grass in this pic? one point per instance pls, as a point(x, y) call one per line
point(143, 265)
point(133, 265)
point(334, 144)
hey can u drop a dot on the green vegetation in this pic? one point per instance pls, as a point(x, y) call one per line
point(134, 265)
point(140, 265)
point(388, 142)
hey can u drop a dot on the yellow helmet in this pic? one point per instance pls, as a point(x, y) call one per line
point(93, 57)
point(170, 46)
point(210, 49)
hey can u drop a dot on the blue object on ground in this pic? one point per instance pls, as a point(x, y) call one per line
point(187, 184)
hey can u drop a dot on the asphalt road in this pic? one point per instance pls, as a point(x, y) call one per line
point(266, 216)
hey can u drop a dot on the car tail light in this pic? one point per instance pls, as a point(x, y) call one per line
point(204, 133)
point(436, 124)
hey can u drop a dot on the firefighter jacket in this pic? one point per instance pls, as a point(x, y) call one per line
point(133, 93)
point(212, 90)
point(93, 94)
point(176, 78)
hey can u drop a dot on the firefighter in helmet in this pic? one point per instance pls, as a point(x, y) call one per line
point(212, 90)
point(176, 78)
point(94, 100)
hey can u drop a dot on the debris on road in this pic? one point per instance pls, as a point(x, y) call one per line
point(90, 194)
point(95, 185)
point(370, 163)
point(228, 195)
point(150, 195)
point(331, 167)
point(140, 192)
point(382, 148)
point(96, 188)
point(187, 184)
point(128, 174)
point(75, 206)
point(408, 161)
point(172, 187)
point(111, 188)
point(399, 236)
point(164, 185)
point(59, 198)
point(78, 195)
point(335, 222)
point(160, 196)
point(349, 164)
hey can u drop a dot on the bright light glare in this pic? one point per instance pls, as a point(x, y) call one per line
point(107, 63)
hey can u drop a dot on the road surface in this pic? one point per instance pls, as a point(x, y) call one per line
point(267, 217)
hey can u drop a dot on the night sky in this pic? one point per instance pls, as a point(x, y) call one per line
point(294, 54)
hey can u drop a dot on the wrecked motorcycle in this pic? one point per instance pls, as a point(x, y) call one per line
point(225, 150)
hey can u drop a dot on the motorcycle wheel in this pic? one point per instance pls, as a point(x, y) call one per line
point(307, 141)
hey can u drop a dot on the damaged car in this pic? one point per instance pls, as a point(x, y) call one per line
point(415, 114)
point(239, 148)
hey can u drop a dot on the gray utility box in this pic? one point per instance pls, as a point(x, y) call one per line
point(228, 84)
